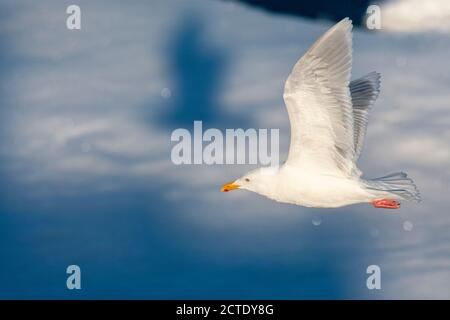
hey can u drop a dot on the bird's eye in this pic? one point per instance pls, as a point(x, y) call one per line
point(247, 179)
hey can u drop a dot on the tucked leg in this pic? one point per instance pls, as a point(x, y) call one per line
point(386, 204)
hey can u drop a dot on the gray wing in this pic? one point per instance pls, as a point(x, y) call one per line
point(317, 97)
point(364, 91)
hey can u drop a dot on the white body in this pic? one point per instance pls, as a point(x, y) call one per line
point(309, 189)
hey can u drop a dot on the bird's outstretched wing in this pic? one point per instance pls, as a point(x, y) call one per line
point(317, 97)
point(364, 92)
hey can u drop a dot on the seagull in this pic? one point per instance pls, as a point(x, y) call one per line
point(328, 115)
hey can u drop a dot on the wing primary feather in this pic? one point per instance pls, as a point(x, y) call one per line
point(364, 91)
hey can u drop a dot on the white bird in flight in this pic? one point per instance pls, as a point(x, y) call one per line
point(328, 116)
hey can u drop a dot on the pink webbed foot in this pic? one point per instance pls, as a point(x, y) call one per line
point(386, 204)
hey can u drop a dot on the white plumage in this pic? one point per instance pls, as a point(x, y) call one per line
point(328, 116)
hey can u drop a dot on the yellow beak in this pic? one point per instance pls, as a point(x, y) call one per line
point(229, 186)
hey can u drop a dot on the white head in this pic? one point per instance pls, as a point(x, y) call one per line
point(259, 180)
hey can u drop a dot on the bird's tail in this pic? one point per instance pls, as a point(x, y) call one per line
point(398, 184)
